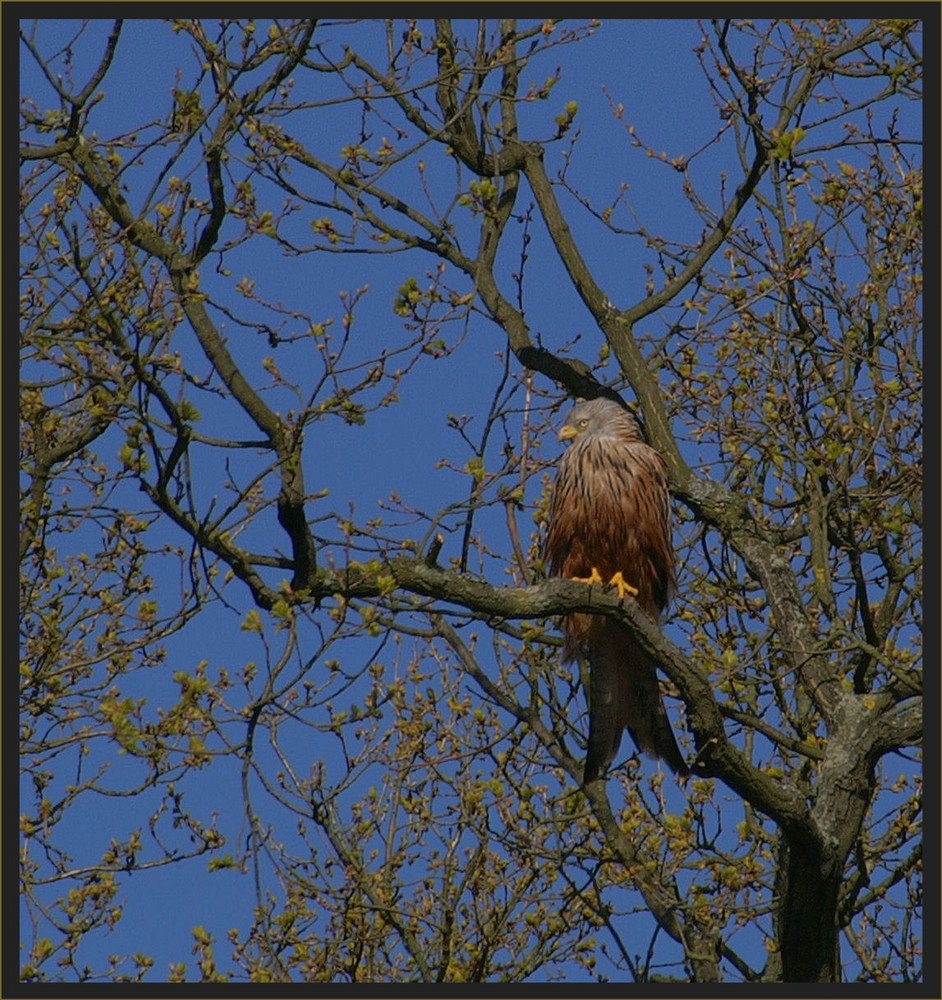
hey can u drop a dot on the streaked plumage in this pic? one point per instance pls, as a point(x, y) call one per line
point(611, 512)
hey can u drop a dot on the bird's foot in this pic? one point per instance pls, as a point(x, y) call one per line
point(623, 587)
point(592, 578)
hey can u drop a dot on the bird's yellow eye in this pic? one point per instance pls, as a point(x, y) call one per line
point(583, 422)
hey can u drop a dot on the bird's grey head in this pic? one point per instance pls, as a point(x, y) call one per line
point(600, 418)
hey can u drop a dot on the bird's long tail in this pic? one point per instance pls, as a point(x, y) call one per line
point(624, 694)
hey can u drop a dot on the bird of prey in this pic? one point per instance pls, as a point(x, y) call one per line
point(610, 524)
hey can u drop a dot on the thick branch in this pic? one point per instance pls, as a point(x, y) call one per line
point(716, 755)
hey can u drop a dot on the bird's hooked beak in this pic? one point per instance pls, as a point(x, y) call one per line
point(566, 432)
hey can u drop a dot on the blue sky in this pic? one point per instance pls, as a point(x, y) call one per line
point(648, 67)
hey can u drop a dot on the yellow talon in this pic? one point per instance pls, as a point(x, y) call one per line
point(592, 578)
point(623, 587)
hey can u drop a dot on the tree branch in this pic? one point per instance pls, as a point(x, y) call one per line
point(716, 754)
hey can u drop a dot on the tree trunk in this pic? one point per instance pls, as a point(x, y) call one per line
point(808, 934)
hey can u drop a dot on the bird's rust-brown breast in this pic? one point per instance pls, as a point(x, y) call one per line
point(610, 512)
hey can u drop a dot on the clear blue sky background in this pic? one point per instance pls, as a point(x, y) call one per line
point(646, 65)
